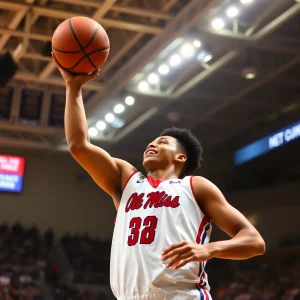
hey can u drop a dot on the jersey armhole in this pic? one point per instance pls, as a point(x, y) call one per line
point(193, 192)
point(129, 180)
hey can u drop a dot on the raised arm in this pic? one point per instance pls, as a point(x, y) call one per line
point(109, 173)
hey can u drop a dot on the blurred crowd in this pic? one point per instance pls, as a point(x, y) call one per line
point(25, 264)
point(275, 277)
point(63, 291)
point(23, 261)
point(89, 258)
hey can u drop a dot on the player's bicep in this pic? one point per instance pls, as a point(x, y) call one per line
point(214, 204)
point(101, 166)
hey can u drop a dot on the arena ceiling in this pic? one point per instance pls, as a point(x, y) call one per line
point(207, 91)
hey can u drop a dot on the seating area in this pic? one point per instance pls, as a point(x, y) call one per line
point(63, 291)
point(89, 258)
point(23, 261)
point(271, 277)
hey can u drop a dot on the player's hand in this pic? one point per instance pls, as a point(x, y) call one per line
point(74, 80)
point(185, 252)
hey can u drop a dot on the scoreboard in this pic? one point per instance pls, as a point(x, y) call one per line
point(11, 173)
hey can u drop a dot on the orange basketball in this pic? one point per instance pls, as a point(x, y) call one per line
point(80, 45)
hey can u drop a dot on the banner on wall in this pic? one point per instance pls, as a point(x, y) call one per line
point(11, 173)
point(273, 141)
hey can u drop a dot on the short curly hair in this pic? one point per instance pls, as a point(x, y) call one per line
point(190, 145)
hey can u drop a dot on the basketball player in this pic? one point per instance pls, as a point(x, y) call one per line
point(161, 237)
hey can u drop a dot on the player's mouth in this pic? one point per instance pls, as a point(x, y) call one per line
point(150, 152)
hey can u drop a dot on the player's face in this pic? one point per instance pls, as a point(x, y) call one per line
point(162, 152)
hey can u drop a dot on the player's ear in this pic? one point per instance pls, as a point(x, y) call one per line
point(181, 157)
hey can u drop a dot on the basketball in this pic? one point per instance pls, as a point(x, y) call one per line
point(80, 45)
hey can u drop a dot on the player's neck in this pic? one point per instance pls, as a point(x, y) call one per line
point(162, 174)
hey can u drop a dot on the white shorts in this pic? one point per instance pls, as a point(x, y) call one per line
point(194, 294)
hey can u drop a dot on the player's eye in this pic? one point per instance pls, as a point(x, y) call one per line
point(162, 142)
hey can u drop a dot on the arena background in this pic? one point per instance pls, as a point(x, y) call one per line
point(237, 83)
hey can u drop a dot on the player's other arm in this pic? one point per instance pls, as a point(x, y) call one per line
point(245, 241)
point(109, 173)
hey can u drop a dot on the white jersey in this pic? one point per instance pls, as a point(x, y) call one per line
point(152, 216)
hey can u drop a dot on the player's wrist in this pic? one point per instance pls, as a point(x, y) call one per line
point(72, 86)
point(213, 249)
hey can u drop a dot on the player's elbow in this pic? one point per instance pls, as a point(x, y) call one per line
point(259, 245)
point(76, 149)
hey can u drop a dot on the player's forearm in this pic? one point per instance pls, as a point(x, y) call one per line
point(244, 245)
point(76, 127)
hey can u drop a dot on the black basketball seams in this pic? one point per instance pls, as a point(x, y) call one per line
point(94, 35)
point(86, 56)
point(75, 52)
point(81, 47)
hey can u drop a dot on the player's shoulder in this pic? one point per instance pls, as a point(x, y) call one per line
point(126, 170)
point(124, 165)
point(202, 185)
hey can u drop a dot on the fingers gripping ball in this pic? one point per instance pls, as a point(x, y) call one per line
point(80, 45)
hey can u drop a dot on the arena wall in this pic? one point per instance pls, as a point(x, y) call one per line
point(59, 193)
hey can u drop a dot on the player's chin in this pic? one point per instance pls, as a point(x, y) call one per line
point(149, 160)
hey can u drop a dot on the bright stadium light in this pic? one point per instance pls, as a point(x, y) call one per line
point(143, 86)
point(101, 125)
point(197, 43)
point(175, 60)
point(93, 132)
point(246, 2)
point(232, 12)
point(109, 117)
point(129, 100)
point(187, 50)
point(218, 24)
point(250, 73)
point(153, 78)
point(163, 69)
point(207, 58)
point(119, 108)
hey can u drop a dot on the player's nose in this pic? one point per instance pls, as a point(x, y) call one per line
point(151, 145)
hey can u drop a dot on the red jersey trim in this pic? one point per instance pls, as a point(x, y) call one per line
point(128, 180)
point(192, 188)
point(155, 183)
point(193, 192)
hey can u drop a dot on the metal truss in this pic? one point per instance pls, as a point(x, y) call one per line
point(117, 73)
point(37, 70)
point(254, 37)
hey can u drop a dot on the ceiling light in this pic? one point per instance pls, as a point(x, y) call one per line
point(246, 2)
point(118, 123)
point(153, 78)
point(249, 73)
point(197, 43)
point(143, 86)
point(218, 23)
point(175, 60)
point(119, 108)
point(187, 50)
point(93, 131)
point(129, 100)
point(163, 69)
point(204, 56)
point(232, 12)
point(109, 117)
point(101, 125)
point(207, 58)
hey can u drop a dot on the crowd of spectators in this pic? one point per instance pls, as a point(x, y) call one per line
point(23, 261)
point(271, 277)
point(63, 291)
point(89, 258)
